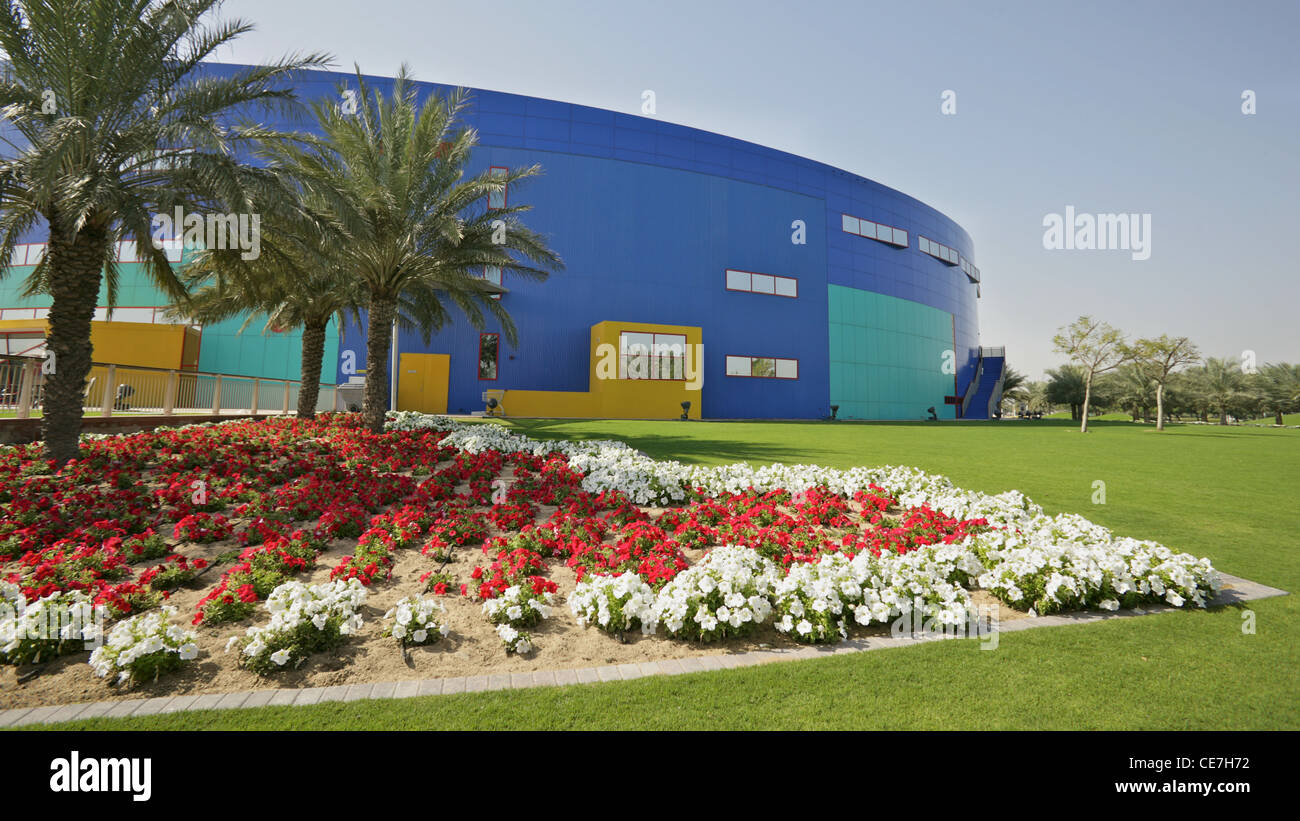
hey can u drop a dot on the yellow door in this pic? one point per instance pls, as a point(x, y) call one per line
point(422, 382)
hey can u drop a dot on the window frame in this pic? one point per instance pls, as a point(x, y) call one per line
point(751, 375)
point(496, 365)
point(726, 283)
point(505, 190)
point(653, 362)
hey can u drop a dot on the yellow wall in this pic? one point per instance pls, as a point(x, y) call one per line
point(613, 398)
point(142, 344)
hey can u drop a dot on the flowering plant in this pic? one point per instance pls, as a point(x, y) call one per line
point(514, 640)
point(304, 620)
point(521, 605)
point(144, 647)
point(50, 626)
point(615, 604)
point(416, 621)
point(725, 595)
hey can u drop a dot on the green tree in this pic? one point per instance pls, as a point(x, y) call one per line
point(1159, 358)
point(107, 125)
point(1135, 390)
point(1014, 385)
point(1064, 386)
point(1223, 384)
point(418, 230)
point(1281, 389)
point(297, 281)
point(1096, 348)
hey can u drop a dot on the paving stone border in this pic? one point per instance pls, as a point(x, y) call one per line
point(1241, 590)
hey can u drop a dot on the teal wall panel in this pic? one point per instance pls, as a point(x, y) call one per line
point(887, 356)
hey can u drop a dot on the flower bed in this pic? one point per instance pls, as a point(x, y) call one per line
point(641, 550)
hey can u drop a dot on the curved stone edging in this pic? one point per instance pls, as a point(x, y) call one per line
point(1235, 591)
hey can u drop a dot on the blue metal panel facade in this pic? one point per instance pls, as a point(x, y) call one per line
point(648, 216)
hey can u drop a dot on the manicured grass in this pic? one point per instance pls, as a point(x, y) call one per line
point(1227, 493)
point(1287, 419)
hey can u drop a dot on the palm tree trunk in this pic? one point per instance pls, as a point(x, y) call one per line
point(75, 269)
point(379, 335)
point(1160, 406)
point(1277, 417)
point(313, 352)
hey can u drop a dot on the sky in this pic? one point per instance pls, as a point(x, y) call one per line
point(1106, 107)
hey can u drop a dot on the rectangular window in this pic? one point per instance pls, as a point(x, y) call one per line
point(762, 367)
point(492, 273)
point(497, 199)
point(652, 356)
point(874, 230)
point(488, 354)
point(939, 251)
point(762, 283)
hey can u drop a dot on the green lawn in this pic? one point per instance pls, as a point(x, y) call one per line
point(1228, 493)
point(1287, 419)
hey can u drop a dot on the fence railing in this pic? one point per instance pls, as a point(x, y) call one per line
point(129, 390)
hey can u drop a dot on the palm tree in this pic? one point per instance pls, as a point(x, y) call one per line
point(1223, 383)
point(107, 125)
point(1281, 388)
point(1013, 383)
point(417, 230)
point(1065, 387)
point(1135, 390)
point(295, 282)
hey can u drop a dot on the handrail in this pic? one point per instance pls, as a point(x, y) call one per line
point(161, 391)
point(974, 385)
point(995, 398)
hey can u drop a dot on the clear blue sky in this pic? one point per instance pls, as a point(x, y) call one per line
point(1105, 106)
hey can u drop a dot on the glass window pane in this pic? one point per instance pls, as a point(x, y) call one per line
point(787, 369)
point(738, 280)
point(762, 366)
point(785, 286)
point(738, 366)
point(850, 224)
point(487, 356)
point(668, 357)
point(900, 237)
point(763, 284)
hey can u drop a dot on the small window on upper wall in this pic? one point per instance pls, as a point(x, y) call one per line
point(762, 283)
point(492, 273)
point(850, 224)
point(738, 281)
point(497, 199)
point(488, 355)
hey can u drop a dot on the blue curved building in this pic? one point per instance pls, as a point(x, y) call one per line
point(810, 287)
point(862, 297)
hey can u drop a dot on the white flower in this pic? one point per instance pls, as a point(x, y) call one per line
point(280, 657)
